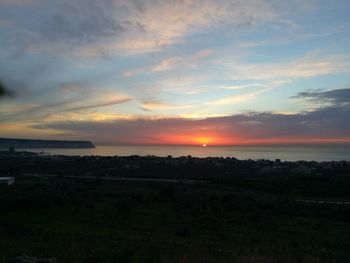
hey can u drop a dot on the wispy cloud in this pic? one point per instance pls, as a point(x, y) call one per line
point(235, 99)
point(326, 124)
point(72, 98)
point(310, 65)
point(3, 23)
point(183, 62)
point(190, 61)
point(297, 33)
point(106, 26)
point(16, 2)
point(154, 105)
point(99, 105)
point(240, 87)
point(152, 62)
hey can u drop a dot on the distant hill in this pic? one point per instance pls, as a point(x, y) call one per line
point(5, 143)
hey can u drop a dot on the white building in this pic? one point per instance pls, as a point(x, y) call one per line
point(7, 180)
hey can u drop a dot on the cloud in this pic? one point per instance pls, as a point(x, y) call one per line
point(187, 85)
point(71, 97)
point(81, 24)
point(110, 102)
point(3, 23)
point(297, 33)
point(16, 2)
point(190, 61)
point(154, 105)
point(30, 113)
point(335, 97)
point(325, 124)
point(234, 99)
point(170, 63)
point(310, 65)
point(65, 26)
point(94, 28)
point(78, 21)
point(240, 87)
point(168, 22)
point(259, 88)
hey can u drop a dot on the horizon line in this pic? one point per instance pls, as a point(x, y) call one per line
point(224, 145)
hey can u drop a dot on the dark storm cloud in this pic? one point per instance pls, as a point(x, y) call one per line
point(338, 96)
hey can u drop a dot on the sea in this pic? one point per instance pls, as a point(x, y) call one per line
point(328, 152)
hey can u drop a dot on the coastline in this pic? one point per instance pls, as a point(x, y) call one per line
point(287, 153)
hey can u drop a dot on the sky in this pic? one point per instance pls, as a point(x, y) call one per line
point(184, 72)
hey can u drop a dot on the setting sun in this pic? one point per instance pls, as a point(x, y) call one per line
point(204, 140)
point(174, 130)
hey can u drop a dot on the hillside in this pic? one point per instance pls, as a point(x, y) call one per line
point(5, 143)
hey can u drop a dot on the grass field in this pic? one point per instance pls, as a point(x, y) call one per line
point(95, 221)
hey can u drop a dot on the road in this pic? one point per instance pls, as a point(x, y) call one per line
point(131, 179)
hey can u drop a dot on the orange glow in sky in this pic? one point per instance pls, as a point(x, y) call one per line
point(204, 140)
point(159, 86)
point(197, 139)
point(224, 139)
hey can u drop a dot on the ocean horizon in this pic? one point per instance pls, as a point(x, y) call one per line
point(316, 152)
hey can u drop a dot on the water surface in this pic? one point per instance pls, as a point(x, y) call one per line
point(288, 153)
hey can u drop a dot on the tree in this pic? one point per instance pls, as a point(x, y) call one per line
point(3, 90)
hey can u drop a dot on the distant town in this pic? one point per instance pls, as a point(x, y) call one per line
point(210, 169)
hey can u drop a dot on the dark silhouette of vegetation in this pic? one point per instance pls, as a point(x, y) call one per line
point(235, 214)
point(3, 90)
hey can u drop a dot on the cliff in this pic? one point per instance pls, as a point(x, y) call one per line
point(5, 143)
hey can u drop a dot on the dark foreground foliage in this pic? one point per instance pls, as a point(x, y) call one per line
point(221, 220)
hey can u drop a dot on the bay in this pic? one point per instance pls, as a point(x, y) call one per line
point(328, 152)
